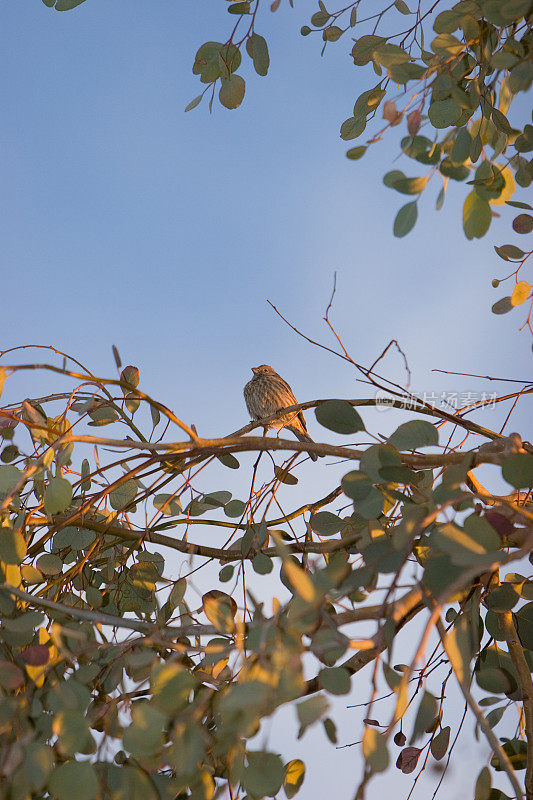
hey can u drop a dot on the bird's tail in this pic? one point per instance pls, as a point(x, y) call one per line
point(303, 437)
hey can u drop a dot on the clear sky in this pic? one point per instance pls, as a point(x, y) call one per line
point(126, 221)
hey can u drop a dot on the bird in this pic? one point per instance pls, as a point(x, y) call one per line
point(268, 393)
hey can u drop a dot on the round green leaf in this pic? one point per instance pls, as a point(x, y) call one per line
point(13, 546)
point(494, 680)
point(72, 731)
point(339, 416)
point(356, 484)
point(217, 499)
point(144, 737)
point(57, 495)
point(518, 470)
point(231, 92)
point(9, 477)
point(171, 685)
point(439, 743)
point(264, 774)
point(49, 564)
point(67, 5)
point(335, 680)
point(75, 538)
point(502, 598)
point(477, 216)
point(355, 153)
point(352, 127)
point(257, 49)
point(444, 113)
point(319, 18)
point(405, 219)
point(226, 573)
point(461, 147)
point(168, 504)
point(207, 61)
point(414, 434)
point(75, 779)
point(262, 564)
point(326, 524)
point(235, 508)
point(38, 763)
point(229, 460)
point(409, 185)
point(524, 624)
point(121, 496)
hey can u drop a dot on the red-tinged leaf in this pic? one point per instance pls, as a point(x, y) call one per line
point(36, 655)
point(501, 524)
point(391, 113)
point(408, 759)
point(523, 223)
point(368, 721)
point(400, 738)
point(275, 5)
point(413, 122)
point(10, 675)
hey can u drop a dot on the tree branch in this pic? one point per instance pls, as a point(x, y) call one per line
point(516, 651)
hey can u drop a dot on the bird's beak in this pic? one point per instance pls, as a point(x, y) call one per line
point(255, 370)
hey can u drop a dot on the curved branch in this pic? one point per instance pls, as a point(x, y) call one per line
point(516, 651)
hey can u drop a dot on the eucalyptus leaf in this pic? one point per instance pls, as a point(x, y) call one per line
point(339, 416)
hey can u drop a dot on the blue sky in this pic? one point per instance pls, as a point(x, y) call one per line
point(126, 221)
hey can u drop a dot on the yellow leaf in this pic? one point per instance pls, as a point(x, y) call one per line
point(507, 191)
point(506, 96)
point(205, 786)
point(276, 605)
point(520, 294)
point(294, 776)
point(300, 580)
point(240, 633)
point(256, 672)
point(220, 609)
point(12, 573)
point(219, 666)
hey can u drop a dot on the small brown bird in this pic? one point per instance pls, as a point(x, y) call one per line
point(267, 393)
